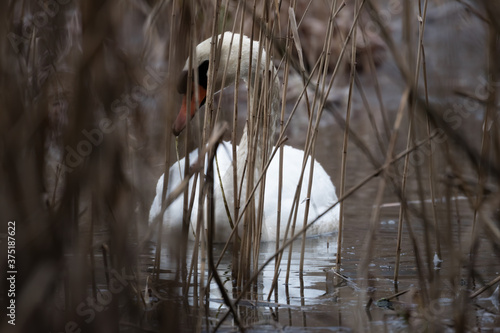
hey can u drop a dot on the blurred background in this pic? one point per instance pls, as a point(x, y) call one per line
point(88, 97)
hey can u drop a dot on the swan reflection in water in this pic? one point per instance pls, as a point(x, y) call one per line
point(313, 288)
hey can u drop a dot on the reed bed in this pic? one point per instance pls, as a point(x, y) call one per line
point(89, 96)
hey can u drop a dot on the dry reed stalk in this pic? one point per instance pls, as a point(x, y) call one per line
point(306, 211)
point(418, 261)
point(200, 235)
point(409, 54)
point(266, 45)
point(249, 170)
point(295, 34)
point(322, 86)
point(249, 214)
point(485, 287)
point(217, 115)
point(489, 142)
point(432, 178)
point(186, 217)
point(265, 106)
point(288, 52)
point(346, 141)
point(159, 219)
point(206, 195)
point(435, 286)
point(236, 196)
point(382, 183)
point(204, 240)
point(193, 270)
point(485, 150)
point(210, 236)
point(493, 78)
point(287, 57)
point(423, 213)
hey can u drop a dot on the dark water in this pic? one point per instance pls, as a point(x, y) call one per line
point(322, 301)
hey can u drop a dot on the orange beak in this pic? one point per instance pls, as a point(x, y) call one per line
point(180, 122)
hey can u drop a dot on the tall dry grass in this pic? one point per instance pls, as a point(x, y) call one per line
point(88, 99)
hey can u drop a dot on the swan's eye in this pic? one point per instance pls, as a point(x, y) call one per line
point(202, 74)
point(182, 82)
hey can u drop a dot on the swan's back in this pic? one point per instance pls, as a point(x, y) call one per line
point(322, 196)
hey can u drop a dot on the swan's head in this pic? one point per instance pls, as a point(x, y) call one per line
point(229, 53)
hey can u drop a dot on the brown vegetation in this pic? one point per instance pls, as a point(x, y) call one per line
point(88, 97)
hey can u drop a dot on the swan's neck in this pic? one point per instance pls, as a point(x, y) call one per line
point(262, 124)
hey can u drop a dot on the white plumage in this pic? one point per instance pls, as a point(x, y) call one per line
point(323, 191)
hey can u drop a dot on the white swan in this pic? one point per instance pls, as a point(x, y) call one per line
point(323, 191)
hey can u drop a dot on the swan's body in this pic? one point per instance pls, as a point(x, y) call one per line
point(323, 191)
point(321, 197)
